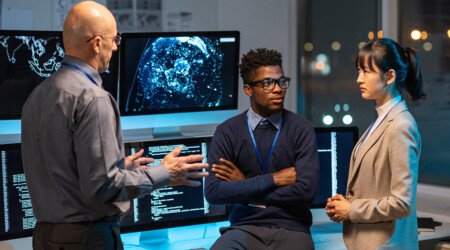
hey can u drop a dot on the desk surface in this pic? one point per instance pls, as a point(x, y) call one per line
point(326, 235)
point(431, 202)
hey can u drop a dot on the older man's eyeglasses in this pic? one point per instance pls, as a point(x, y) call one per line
point(269, 83)
point(117, 39)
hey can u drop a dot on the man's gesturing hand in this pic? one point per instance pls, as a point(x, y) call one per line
point(183, 168)
point(136, 161)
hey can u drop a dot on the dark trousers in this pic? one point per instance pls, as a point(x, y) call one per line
point(262, 238)
point(77, 236)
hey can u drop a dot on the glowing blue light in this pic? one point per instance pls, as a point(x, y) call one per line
point(337, 107)
point(327, 120)
point(345, 107)
point(347, 119)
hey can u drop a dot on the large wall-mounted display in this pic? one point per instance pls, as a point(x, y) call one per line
point(178, 72)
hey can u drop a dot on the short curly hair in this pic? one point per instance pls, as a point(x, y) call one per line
point(254, 59)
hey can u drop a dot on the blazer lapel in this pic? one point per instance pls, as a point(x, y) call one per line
point(352, 158)
point(373, 138)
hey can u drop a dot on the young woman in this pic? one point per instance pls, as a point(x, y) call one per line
point(379, 211)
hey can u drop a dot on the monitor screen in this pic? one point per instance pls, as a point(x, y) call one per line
point(335, 145)
point(16, 215)
point(26, 59)
point(178, 72)
point(171, 206)
point(164, 208)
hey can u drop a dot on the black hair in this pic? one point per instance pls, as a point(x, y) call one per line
point(386, 54)
point(254, 59)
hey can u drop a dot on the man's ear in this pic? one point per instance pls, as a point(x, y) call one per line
point(390, 76)
point(96, 44)
point(248, 90)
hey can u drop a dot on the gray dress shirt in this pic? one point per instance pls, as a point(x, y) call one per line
point(72, 150)
point(254, 119)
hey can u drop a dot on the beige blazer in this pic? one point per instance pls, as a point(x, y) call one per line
point(382, 186)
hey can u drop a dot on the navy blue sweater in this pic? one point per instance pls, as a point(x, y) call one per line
point(286, 207)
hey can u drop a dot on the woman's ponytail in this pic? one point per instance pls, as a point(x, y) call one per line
point(413, 81)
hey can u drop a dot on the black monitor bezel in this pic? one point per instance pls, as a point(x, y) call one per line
point(352, 129)
point(178, 223)
point(122, 87)
point(43, 33)
point(25, 233)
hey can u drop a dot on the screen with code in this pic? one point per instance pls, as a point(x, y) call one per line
point(16, 218)
point(335, 145)
point(171, 206)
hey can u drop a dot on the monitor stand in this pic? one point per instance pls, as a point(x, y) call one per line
point(183, 131)
point(161, 133)
point(146, 134)
point(167, 132)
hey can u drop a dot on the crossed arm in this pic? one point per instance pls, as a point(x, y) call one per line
point(229, 172)
point(291, 185)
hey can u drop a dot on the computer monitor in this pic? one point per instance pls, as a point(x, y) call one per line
point(180, 73)
point(171, 206)
point(163, 208)
point(26, 59)
point(16, 215)
point(335, 145)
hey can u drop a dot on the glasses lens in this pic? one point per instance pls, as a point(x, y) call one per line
point(117, 40)
point(284, 82)
point(268, 84)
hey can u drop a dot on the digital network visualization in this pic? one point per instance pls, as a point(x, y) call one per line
point(177, 72)
point(44, 55)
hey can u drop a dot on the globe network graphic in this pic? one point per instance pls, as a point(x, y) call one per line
point(42, 60)
point(176, 72)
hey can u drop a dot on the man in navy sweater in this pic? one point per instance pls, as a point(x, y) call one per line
point(264, 164)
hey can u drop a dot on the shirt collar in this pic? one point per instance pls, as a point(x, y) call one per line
point(86, 67)
point(384, 109)
point(254, 119)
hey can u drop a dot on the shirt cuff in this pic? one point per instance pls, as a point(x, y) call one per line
point(160, 176)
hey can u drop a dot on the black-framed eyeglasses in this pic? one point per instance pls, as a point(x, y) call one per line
point(117, 39)
point(269, 83)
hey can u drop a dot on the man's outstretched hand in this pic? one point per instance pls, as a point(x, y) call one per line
point(183, 169)
point(135, 161)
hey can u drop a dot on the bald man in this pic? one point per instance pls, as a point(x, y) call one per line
point(78, 177)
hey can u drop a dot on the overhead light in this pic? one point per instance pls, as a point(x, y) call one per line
point(347, 119)
point(327, 120)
